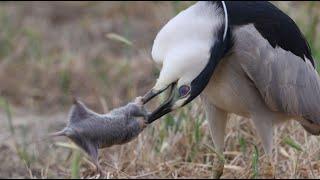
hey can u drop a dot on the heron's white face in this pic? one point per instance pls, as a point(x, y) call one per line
point(181, 66)
point(183, 47)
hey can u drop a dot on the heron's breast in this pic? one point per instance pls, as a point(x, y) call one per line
point(229, 90)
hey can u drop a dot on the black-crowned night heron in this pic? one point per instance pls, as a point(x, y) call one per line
point(246, 58)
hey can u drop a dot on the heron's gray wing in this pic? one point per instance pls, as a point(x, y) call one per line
point(286, 82)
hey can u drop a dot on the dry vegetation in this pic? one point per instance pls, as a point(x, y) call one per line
point(51, 51)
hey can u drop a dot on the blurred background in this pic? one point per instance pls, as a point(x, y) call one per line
point(101, 53)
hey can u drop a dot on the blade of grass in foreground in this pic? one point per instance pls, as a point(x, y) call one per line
point(255, 163)
point(75, 166)
point(292, 144)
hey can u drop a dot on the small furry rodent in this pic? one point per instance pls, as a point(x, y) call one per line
point(92, 131)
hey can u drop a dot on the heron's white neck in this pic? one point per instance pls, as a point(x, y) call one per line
point(183, 45)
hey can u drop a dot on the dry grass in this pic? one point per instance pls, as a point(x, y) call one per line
point(51, 51)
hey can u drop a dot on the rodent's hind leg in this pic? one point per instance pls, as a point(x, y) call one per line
point(92, 150)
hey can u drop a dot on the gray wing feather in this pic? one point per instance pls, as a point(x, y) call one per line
point(286, 82)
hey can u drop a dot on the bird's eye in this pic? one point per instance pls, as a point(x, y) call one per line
point(184, 90)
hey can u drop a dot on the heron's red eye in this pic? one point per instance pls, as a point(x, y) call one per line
point(184, 90)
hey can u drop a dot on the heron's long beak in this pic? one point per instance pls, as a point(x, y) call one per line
point(164, 108)
point(150, 95)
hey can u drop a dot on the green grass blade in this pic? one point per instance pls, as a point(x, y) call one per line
point(292, 144)
point(255, 162)
point(75, 166)
point(243, 145)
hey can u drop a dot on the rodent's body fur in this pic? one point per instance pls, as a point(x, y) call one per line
point(91, 131)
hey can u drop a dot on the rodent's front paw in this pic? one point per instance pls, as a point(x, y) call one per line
point(143, 124)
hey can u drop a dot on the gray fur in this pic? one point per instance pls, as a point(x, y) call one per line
point(91, 131)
